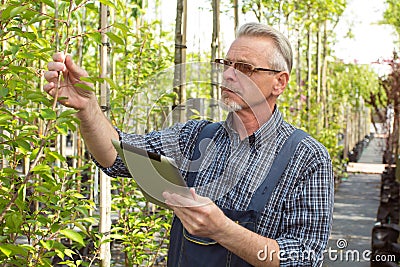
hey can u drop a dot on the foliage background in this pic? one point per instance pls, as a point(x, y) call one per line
point(48, 184)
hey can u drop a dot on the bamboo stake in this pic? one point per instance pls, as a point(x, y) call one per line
point(180, 56)
point(215, 52)
point(105, 182)
point(318, 69)
point(77, 142)
point(57, 139)
point(236, 15)
point(324, 112)
point(215, 42)
point(309, 76)
point(183, 69)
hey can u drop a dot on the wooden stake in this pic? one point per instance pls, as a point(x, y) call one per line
point(105, 182)
point(180, 59)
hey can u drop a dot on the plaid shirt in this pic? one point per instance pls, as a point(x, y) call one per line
point(299, 213)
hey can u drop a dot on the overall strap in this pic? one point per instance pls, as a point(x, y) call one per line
point(202, 141)
point(264, 191)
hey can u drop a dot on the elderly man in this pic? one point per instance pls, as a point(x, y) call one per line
point(259, 198)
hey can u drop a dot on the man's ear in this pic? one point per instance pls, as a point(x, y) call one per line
point(281, 81)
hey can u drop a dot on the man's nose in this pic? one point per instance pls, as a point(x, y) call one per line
point(229, 74)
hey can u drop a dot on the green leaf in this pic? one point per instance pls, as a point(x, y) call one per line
point(111, 83)
point(5, 14)
point(5, 118)
point(56, 155)
point(108, 3)
point(34, 153)
point(74, 236)
point(41, 168)
point(62, 128)
point(115, 38)
point(27, 55)
point(90, 220)
point(43, 220)
point(24, 145)
point(28, 247)
point(15, 29)
point(67, 113)
point(59, 253)
point(49, 3)
point(46, 261)
point(37, 19)
point(96, 37)
point(117, 236)
point(69, 252)
point(30, 128)
point(91, 6)
point(3, 91)
point(48, 244)
point(15, 250)
point(6, 250)
point(18, 69)
point(68, 123)
point(55, 227)
point(80, 226)
point(23, 114)
point(42, 189)
point(91, 79)
point(13, 11)
point(78, 195)
point(20, 201)
point(38, 98)
point(125, 29)
point(84, 86)
point(48, 114)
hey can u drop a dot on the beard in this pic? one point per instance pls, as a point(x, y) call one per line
point(229, 105)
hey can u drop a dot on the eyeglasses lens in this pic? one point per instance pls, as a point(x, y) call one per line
point(245, 68)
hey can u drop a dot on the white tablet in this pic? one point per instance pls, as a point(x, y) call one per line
point(153, 173)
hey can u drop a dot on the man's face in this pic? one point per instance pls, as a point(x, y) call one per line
point(239, 91)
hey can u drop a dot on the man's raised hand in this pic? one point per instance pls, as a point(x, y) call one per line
point(70, 94)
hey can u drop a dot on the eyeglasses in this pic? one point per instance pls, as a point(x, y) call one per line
point(243, 67)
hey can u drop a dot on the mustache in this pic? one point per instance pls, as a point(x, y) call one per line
point(230, 87)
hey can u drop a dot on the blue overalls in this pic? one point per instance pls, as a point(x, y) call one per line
point(189, 250)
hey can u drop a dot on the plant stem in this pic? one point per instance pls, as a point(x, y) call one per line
point(67, 40)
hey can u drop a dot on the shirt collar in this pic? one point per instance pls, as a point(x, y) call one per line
point(266, 133)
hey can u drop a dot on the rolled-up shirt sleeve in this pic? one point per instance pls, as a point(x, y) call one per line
point(118, 168)
point(175, 142)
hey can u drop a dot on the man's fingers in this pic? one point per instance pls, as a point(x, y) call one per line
point(56, 66)
point(68, 67)
point(192, 199)
point(193, 192)
point(48, 87)
point(51, 76)
point(74, 69)
point(173, 199)
point(59, 57)
point(185, 201)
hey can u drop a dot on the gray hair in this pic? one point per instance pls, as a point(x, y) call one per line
point(282, 56)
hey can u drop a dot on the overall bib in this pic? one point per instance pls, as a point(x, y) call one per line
point(188, 250)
